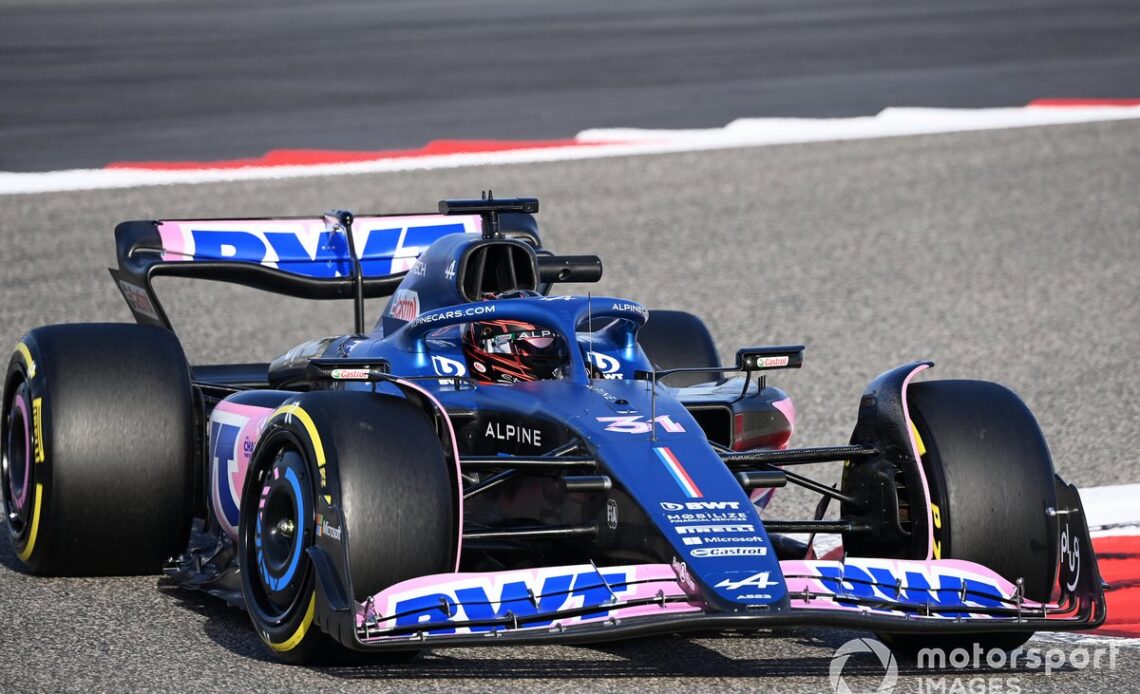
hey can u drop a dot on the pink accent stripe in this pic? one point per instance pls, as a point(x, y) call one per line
point(796, 572)
point(250, 411)
point(789, 410)
point(642, 581)
point(19, 500)
point(314, 157)
point(173, 243)
point(1061, 103)
point(918, 459)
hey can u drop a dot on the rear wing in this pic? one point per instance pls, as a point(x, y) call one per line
point(296, 257)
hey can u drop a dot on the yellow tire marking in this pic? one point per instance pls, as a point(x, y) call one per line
point(935, 512)
point(299, 635)
point(31, 546)
point(936, 516)
point(917, 439)
point(29, 363)
point(38, 428)
point(295, 410)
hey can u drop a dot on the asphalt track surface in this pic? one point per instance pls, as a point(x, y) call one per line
point(1006, 255)
point(88, 82)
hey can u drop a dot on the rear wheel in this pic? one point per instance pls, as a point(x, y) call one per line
point(383, 468)
point(991, 480)
point(676, 339)
point(97, 449)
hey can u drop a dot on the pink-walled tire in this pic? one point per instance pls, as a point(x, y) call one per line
point(97, 437)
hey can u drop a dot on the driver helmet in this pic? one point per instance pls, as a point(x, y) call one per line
point(510, 351)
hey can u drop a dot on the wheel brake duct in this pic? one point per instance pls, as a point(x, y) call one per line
point(884, 425)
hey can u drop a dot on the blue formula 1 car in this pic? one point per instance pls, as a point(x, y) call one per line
point(493, 464)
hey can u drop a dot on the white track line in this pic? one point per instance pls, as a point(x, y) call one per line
point(1084, 638)
point(1112, 510)
point(749, 132)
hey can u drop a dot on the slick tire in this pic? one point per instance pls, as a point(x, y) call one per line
point(676, 339)
point(383, 467)
point(98, 449)
point(991, 480)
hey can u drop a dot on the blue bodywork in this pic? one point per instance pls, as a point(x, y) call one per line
point(670, 470)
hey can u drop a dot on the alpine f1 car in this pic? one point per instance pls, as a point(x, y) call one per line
point(494, 464)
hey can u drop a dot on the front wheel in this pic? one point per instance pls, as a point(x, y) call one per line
point(991, 482)
point(343, 471)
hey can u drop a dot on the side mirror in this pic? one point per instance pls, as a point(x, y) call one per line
point(765, 358)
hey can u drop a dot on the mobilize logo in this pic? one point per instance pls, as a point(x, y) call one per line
point(875, 647)
point(701, 505)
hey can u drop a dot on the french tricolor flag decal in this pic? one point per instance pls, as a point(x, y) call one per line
point(673, 465)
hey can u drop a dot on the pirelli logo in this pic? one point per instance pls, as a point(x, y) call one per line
point(38, 428)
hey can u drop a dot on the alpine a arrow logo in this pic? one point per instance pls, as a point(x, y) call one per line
point(759, 580)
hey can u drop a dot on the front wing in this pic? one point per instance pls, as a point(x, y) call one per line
point(586, 603)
